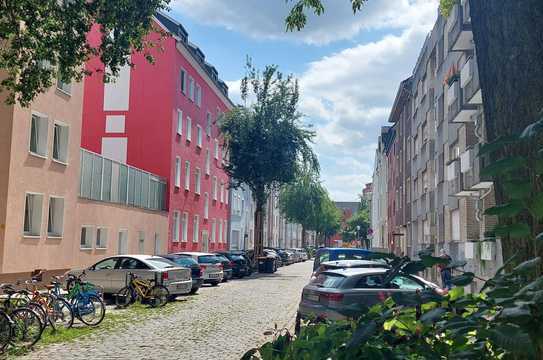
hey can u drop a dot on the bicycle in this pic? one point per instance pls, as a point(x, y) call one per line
point(145, 291)
point(85, 300)
point(19, 324)
point(20, 299)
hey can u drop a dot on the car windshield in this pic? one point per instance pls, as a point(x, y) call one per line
point(351, 256)
point(184, 261)
point(333, 281)
point(161, 263)
point(208, 259)
point(222, 258)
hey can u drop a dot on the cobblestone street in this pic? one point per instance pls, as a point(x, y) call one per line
point(218, 323)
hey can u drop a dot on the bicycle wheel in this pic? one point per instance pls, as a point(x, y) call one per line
point(39, 309)
point(60, 313)
point(27, 327)
point(6, 332)
point(124, 297)
point(159, 296)
point(91, 310)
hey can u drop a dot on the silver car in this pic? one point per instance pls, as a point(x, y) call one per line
point(348, 264)
point(111, 273)
point(211, 266)
point(338, 294)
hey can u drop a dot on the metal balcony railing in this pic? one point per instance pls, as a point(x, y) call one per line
point(461, 22)
point(469, 81)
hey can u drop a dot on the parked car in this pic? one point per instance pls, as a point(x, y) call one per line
point(273, 254)
point(211, 266)
point(331, 254)
point(111, 273)
point(338, 294)
point(227, 267)
point(245, 255)
point(190, 263)
point(302, 253)
point(297, 257)
point(240, 267)
point(286, 258)
point(348, 264)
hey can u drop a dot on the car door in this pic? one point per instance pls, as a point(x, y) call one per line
point(128, 265)
point(100, 274)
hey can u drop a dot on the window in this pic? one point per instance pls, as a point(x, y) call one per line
point(141, 242)
point(158, 246)
point(177, 171)
point(222, 192)
point(208, 124)
point(199, 136)
point(403, 282)
point(122, 242)
point(86, 237)
point(220, 231)
point(198, 95)
point(185, 227)
point(187, 175)
point(213, 230)
point(179, 122)
point(226, 196)
point(38, 135)
point(132, 264)
point(197, 182)
point(55, 223)
point(208, 162)
point(32, 220)
point(183, 80)
point(189, 129)
point(101, 238)
point(216, 149)
point(175, 226)
point(60, 143)
point(107, 264)
point(206, 206)
point(195, 229)
point(225, 231)
point(214, 184)
point(191, 88)
point(370, 282)
point(64, 85)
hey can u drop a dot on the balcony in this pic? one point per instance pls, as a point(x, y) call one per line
point(459, 111)
point(460, 34)
point(471, 165)
point(469, 82)
point(454, 178)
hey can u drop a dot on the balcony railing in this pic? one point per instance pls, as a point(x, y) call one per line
point(469, 82)
point(459, 111)
point(102, 179)
point(472, 164)
point(460, 35)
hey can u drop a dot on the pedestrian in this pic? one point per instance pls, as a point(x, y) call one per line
point(445, 270)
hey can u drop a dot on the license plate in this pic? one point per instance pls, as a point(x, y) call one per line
point(213, 276)
point(181, 286)
point(311, 297)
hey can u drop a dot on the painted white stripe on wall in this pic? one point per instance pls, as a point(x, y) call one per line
point(117, 92)
point(115, 123)
point(115, 148)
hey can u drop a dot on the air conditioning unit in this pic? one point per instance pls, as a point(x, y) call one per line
point(488, 250)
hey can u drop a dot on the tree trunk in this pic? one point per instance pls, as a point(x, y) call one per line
point(508, 37)
point(259, 229)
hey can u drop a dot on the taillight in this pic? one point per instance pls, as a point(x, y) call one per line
point(232, 264)
point(332, 296)
point(165, 275)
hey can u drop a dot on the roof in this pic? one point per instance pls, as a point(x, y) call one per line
point(388, 139)
point(403, 95)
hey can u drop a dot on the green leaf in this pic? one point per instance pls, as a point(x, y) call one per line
point(539, 166)
point(362, 333)
point(516, 230)
point(430, 261)
point(527, 266)
point(456, 293)
point(463, 280)
point(512, 338)
point(509, 209)
point(406, 299)
point(518, 189)
point(414, 267)
point(519, 314)
point(498, 144)
point(536, 206)
point(503, 166)
point(533, 129)
point(457, 264)
point(433, 315)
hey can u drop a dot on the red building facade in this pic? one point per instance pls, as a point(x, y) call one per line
point(161, 118)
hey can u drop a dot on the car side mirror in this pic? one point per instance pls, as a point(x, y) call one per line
point(393, 286)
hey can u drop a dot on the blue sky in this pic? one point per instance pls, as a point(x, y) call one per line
point(349, 67)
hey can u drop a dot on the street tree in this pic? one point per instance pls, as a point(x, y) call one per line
point(45, 39)
point(266, 142)
point(357, 228)
point(300, 201)
point(329, 221)
point(508, 41)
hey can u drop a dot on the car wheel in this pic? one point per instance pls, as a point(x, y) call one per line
point(215, 283)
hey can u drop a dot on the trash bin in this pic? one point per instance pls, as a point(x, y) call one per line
point(265, 264)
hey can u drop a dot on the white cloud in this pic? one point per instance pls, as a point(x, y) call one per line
point(264, 19)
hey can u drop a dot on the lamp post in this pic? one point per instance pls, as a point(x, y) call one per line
point(358, 233)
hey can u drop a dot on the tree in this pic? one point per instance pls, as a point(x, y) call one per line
point(48, 38)
point(508, 40)
point(329, 222)
point(357, 227)
point(266, 142)
point(300, 202)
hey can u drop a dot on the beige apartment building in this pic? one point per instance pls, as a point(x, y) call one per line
point(47, 221)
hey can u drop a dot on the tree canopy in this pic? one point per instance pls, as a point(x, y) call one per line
point(45, 39)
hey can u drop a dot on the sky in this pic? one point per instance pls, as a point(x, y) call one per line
point(349, 67)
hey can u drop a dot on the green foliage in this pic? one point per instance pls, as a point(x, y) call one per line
point(46, 38)
point(329, 222)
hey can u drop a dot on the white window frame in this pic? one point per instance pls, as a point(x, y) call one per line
point(208, 162)
point(176, 226)
point(216, 144)
point(177, 172)
point(220, 231)
point(41, 145)
point(189, 128)
point(92, 237)
point(225, 238)
point(198, 95)
point(209, 122)
point(187, 175)
point(226, 195)
point(183, 81)
point(222, 192)
point(206, 206)
point(196, 229)
point(63, 159)
point(197, 181)
point(191, 88)
point(101, 246)
point(185, 227)
point(31, 233)
point(179, 122)
point(55, 234)
point(64, 87)
point(213, 230)
point(141, 249)
point(214, 188)
point(199, 136)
